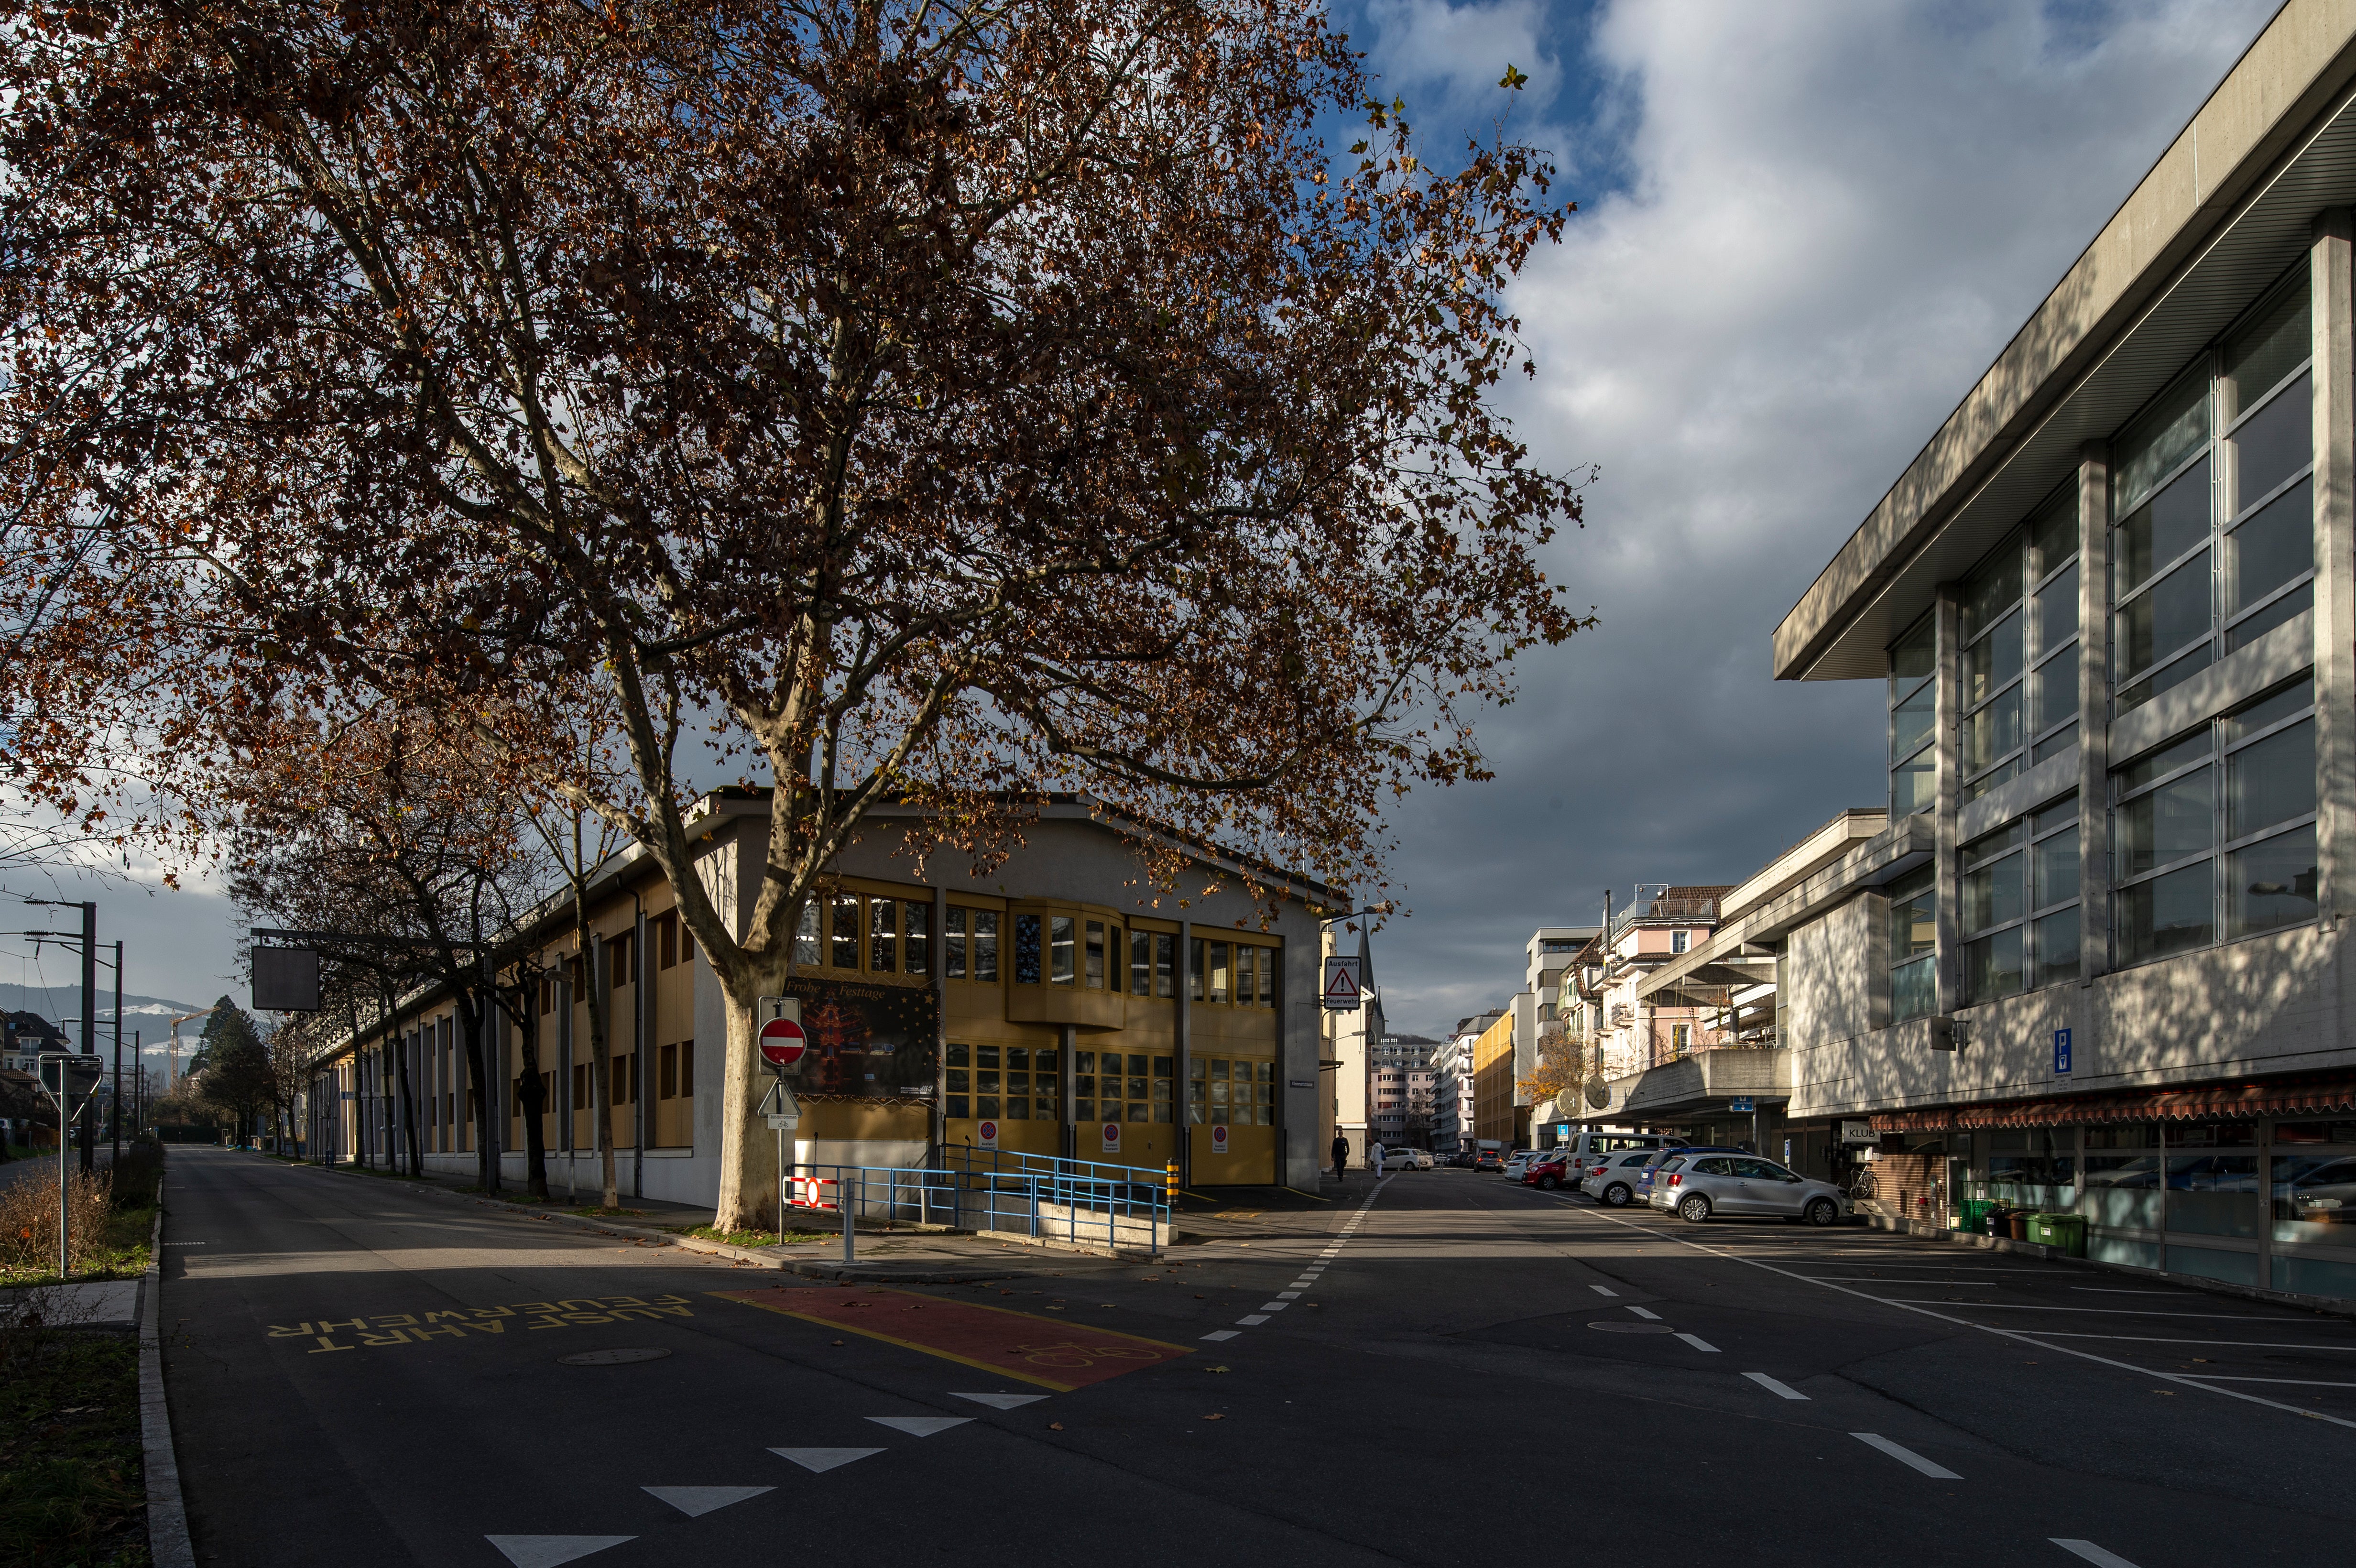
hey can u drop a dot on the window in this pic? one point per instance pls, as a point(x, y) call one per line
point(1141, 963)
point(1060, 948)
point(2020, 915)
point(1026, 950)
point(1676, 942)
point(806, 938)
point(956, 1091)
point(916, 936)
point(842, 923)
point(1106, 1086)
point(667, 941)
point(1913, 945)
point(1914, 707)
point(1094, 957)
point(2213, 500)
point(1225, 1090)
point(2173, 810)
point(882, 935)
point(1681, 1038)
point(969, 943)
point(621, 965)
point(666, 1073)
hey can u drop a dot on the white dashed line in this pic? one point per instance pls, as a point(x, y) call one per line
point(1274, 1306)
point(1252, 1319)
point(1649, 1317)
point(1220, 1334)
point(1906, 1456)
point(1699, 1343)
point(2090, 1553)
point(1602, 1290)
point(1780, 1389)
point(1288, 1295)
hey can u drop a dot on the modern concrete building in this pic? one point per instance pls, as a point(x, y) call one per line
point(2099, 957)
point(1399, 1091)
point(1454, 1108)
point(1050, 1009)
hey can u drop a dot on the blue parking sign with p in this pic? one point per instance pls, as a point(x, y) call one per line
point(2061, 1052)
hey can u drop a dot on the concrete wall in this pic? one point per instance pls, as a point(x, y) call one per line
point(2266, 1005)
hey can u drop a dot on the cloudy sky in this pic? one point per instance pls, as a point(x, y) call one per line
point(1805, 229)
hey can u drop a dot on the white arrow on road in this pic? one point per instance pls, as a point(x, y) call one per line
point(548, 1551)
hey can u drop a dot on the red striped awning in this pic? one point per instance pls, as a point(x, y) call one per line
point(2320, 1097)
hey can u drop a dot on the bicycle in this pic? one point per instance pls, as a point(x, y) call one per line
point(1862, 1185)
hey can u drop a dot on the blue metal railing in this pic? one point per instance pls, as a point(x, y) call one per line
point(1027, 1195)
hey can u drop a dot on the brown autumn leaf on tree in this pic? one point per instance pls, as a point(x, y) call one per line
point(902, 400)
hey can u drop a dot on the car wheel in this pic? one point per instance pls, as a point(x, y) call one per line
point(1617, 1195)
point(1693, 1209)
point(1823, 1212)
point(1548, 1183)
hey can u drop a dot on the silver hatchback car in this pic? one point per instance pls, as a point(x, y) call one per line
point(1741, 1186)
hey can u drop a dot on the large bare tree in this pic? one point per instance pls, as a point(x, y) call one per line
point(943, 401)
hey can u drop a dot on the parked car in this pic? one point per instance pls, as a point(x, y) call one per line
point(1659, 1158)
point(1486, 1159)
point(1610, 1179)
point(1551, 1169)
point(1460, 1160)
point(1742, 1186)
point(1406, 1159)
point(1518, 1161)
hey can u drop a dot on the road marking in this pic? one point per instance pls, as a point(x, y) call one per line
point(1780, 1389)
point(2303, 1383)
point(2106, 1290)
point(1906, 1455)
point(1274, 1306)
point(920, 1425)
point(1982, 1328)
point(1288, 1295)
point(2090, 1553)
point(2162, 1339)
point(1252, 1319)
point(548, 1551)
point(1002, 1400)
point(2106, 1311)
point(1220, 1334)
point(1602, 1290)
point(819, 1461)
point(697, 1501)
point(1649, 1315)
point(1699, 1343)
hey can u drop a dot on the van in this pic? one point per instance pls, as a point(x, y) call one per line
point(1586, 1142)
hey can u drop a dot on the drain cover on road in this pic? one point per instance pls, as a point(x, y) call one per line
point(1634, 1328)
point(612, 1358)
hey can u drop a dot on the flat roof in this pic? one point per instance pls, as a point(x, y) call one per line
point(2225, 209)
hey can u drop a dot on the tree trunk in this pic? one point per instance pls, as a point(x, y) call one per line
point(470, 1022)
point(748, 1157)
point(534, 1095)
point(594, 981)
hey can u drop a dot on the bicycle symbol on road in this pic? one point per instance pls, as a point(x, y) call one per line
point(1082, 1355)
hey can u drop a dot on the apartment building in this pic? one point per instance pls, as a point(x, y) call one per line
point(1050, 1010)
point(1454, 1117)
point(1630, 1030)
point(2098, 957)
point(1399, 1091)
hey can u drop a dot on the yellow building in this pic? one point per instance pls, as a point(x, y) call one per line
point(1056, 1008)
point(1495, 1117)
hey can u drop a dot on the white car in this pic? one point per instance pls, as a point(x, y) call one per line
point(1517, 1162)
point(1406, 1159)
point(1610, 1179)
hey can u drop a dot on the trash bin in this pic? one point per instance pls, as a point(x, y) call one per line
point(1976, 1215)
point(2067, 1232)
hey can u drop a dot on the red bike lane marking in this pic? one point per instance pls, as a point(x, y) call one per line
point(1041, 1350)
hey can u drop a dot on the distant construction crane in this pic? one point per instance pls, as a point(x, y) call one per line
point(172, 1058)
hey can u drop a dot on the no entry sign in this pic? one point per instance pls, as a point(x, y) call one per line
point(1112, 1137)
point(1218, 1137)
point(986, 1133)
point(782, 1043)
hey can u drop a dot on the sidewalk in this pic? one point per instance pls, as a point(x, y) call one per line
point(883, 1254)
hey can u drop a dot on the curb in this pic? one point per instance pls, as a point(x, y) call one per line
point(2333, 1305)
point(168, 1512)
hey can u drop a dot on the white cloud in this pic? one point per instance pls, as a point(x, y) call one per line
point(1828, 219)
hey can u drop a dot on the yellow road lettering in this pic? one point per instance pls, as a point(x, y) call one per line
point(300, 1331)
point(327, 1344)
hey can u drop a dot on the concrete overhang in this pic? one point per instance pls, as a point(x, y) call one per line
point(1697, 1085)
point(1804, 859)
point(2226, 210)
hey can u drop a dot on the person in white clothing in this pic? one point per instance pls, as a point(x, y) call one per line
point(1375, 1158)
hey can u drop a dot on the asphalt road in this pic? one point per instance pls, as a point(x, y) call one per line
point(1444, 1369)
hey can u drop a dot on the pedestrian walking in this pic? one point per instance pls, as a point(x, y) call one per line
point(1340, 1156)
point(1375, 1158)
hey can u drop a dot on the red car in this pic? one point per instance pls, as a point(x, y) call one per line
point(1549, 1170)
point(1487, 1160)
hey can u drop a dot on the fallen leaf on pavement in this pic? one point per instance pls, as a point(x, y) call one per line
point(1055, 1426)
point(1214, 1369)
point(1214, 1418)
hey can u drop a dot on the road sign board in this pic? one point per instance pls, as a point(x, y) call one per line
point(1218, 1137)
point(2061, 1053)
point(1344, 982)
point(986, 1133)
point(70, 1077)
point(1112, 1137)
point(1741, 1107)
point(782, 1044)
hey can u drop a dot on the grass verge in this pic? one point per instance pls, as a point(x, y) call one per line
point(71, 1493)
point(750, 1238)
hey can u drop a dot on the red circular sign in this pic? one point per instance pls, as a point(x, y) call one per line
point(782, 1042)
point(1112, 1132)
point(990, 1131)
point(1218, 1133)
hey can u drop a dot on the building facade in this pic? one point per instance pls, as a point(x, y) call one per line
point(1047, 1010)
point(2098, 958)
